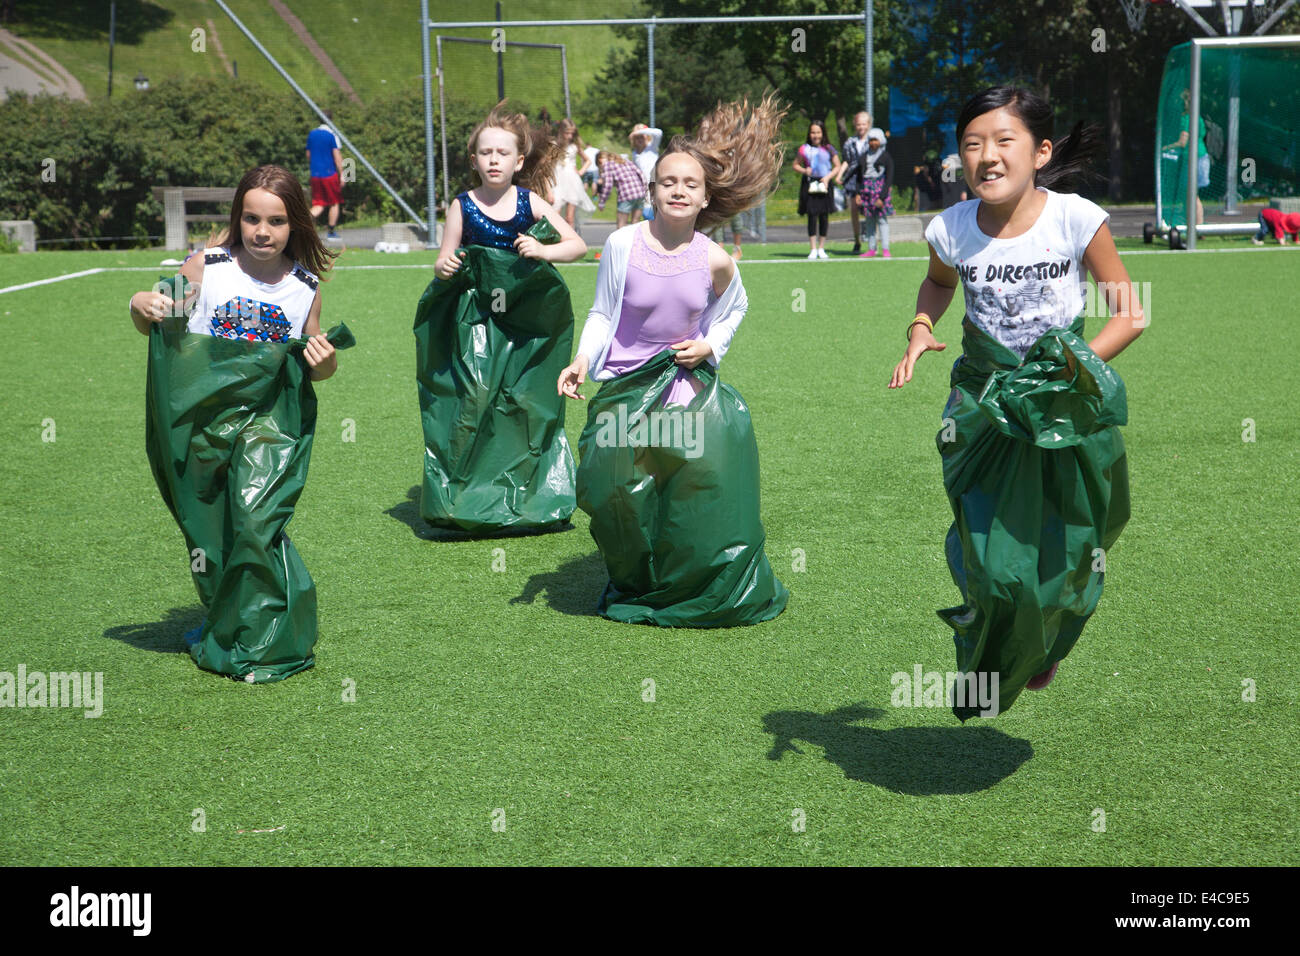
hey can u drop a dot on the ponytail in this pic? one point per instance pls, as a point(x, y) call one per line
point(539, 165)
point(1072, 155)
point(1072, 158)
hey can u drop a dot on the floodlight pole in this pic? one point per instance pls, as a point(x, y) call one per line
point(650, 47)
point(431, 192)
point(868, 53)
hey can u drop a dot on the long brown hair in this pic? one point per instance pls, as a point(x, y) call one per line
point(740, 150)
point(304, 243)
point(535, 143)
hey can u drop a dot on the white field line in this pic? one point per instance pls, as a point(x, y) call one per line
point(790, 261)
point(32, 285)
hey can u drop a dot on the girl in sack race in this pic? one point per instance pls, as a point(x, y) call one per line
point(675, 506)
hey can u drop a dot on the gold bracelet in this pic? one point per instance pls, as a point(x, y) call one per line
point(921, 319)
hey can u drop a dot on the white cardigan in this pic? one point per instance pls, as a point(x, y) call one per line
point(718, 324)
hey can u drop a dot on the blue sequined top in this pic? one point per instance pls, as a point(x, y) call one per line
point(481, 230)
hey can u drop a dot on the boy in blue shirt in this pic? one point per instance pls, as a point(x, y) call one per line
point(325, 161)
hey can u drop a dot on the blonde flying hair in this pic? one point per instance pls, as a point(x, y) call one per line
point(740, 150)
point(537, 145)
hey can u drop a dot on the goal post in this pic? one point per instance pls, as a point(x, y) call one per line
point(427, 26)
point(491, 97)
point(1244, 93)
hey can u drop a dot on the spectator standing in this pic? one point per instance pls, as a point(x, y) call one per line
point(818, 163)
point(645, 146)
point(850, 176)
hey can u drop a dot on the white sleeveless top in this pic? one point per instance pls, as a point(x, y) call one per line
point(233, 305)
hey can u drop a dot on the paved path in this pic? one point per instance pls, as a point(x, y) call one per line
point(27, 68)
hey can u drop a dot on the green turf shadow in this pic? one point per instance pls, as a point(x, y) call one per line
point(919, 761)
point(166, 636)
point(572, 588)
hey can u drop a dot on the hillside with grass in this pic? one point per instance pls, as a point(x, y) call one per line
point(375, 46)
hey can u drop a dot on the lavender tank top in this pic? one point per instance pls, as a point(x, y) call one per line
point(663, 298)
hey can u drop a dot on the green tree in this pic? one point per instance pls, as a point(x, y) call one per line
point(817, 67)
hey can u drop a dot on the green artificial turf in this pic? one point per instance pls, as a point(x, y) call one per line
point(478, 691)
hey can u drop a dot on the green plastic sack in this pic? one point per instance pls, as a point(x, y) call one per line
point(1037, 476)
point(228, 428)
point(490, 344)
point(673, 502)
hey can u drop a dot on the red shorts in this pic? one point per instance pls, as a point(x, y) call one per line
point(326, 190)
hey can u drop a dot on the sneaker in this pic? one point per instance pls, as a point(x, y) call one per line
point(857, 247)
point(736, 253)
point(1039, 681)
point(821, 254)
point(331, 234)
point(192, 636)
point(885, 254)
point(869, 254)
point(1258, 242)
point(812, 253)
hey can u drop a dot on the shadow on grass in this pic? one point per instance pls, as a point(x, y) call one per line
point(166, 636)
point(408, 512)
point(572, 588)
point(921, 761)
point(89, 20)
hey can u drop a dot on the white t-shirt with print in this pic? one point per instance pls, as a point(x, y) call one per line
point(1017, 289)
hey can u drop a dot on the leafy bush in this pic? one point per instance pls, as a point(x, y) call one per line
point(85, 171)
